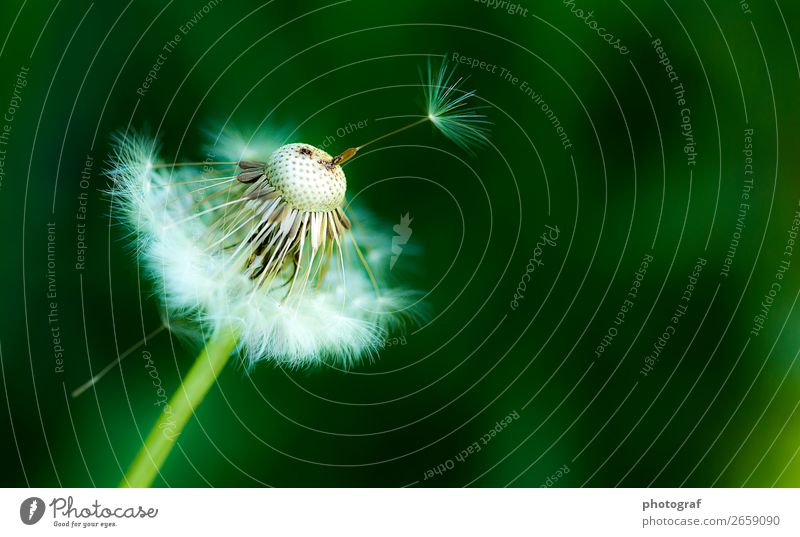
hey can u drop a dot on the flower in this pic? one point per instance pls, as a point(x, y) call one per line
point(260, 241)
point(265, 247)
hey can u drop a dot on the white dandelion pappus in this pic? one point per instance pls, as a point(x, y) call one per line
point(265, 246)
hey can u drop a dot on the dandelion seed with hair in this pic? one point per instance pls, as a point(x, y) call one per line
point(263, 256)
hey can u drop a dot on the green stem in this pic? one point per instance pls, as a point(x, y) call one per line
point(148, 462)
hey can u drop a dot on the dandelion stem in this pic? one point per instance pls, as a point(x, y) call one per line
point(176, 413)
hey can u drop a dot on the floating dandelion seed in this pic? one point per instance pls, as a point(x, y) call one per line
point(263, 253)
point(450, 111)
point(448, 108)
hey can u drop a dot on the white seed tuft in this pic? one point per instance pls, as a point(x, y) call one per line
point(272, 255)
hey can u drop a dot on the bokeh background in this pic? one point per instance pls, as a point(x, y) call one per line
point(718, 408)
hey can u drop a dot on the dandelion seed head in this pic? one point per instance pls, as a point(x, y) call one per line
point(258, 238)
point(264, 246)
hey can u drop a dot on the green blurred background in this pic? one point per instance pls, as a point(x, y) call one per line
point(720, 406)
